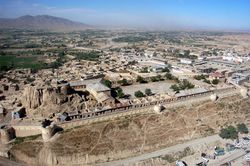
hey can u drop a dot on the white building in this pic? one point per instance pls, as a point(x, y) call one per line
point(186, 61)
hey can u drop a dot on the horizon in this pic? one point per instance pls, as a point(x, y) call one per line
point(226, 15)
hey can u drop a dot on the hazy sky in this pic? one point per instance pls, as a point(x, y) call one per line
point(215, 14)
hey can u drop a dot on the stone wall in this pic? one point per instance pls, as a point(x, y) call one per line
point(86, 118)
point(82, 119)
point(24, 131)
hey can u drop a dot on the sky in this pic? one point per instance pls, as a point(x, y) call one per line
point(161, 14)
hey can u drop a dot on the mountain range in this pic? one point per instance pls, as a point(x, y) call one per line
point(43, 22)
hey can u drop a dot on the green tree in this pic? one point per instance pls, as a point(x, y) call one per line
point(166, 70)
point(140, 80)
point(158, 77)
point(169, 76)
point(148, 92)
point(123, 82)
point(107, 83)
point(228, 133)
point(206, 81)
point(154, 79)
point(139, 94)
point(242, 128)
point(175, 88)
point(215, 81)
point(119, 93)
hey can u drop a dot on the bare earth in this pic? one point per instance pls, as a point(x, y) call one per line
point(131, 136)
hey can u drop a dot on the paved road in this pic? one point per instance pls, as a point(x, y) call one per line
point(236, 154)
point(157, 153)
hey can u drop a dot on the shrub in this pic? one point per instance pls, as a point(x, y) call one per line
point(228, 133)
point(123, 82)
point(139, 94)
point(148, 92)
point(107, 83)
point(119, 93)
point(215, 81)
point(242, 128)
point(140, 80)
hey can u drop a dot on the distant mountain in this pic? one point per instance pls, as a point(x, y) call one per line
point(44, 22)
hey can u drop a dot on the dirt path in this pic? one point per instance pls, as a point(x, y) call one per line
point(6, 162)
point(157, 153)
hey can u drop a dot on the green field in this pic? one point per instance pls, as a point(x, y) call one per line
point(14, 62)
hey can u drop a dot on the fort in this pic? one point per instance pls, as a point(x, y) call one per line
point(108, 114)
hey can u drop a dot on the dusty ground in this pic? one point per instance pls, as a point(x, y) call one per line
point(129, 136)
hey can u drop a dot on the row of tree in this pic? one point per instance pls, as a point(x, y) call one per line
point(182, 85)
point(231, 132)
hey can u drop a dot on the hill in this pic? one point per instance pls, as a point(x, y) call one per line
point(44, 22)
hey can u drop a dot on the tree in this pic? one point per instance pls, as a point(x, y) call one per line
point(242, 128)
point(200, 77)
point(158, 77)
point(169, 76)
point(144, 70)
point(229, 133)
point(107, 83)
point(148, 92)
point(119, 93)
point(140, 80)
point(123, 82)
point(175, 88)
point(166, 70)
point(206, 81)
point(215, 81)
point(139, 94)
point(154, 79)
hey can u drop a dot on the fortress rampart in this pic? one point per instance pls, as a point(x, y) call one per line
point(81, 119)
point(103, 115)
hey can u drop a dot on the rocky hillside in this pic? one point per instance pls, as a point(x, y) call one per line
point(45, 22)
point(43, 101)
point(129, 136)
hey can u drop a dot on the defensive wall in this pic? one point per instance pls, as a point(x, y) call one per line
point(26, 130)
point(103, 115)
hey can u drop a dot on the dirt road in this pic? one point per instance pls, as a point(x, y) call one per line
point(6, 162)
point(167, 150)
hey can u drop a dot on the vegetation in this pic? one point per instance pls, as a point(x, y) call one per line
point(148, 92)
point(119, 93)
point(207, 81)
point(242, 128)
point(19, 140)
point(182, 86)
point(13, 62)
point(144, 70)
point(215, 81)
point(89, 56)
point(30, 80)
point(130, 39)
point(139, 94)
point(229, 133)
point(123, 82)
point(140, 79)
point(177, 156)
point(169, 76)
point(200, 77)
point(154, 79)
point(165, 70)
point(107, 83)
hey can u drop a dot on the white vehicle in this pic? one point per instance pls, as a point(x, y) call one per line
point(180, 163)
point(247, 156)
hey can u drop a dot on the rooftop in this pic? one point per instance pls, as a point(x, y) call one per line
point(98, 87)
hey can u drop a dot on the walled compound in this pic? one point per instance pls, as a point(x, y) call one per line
point(86, 118)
